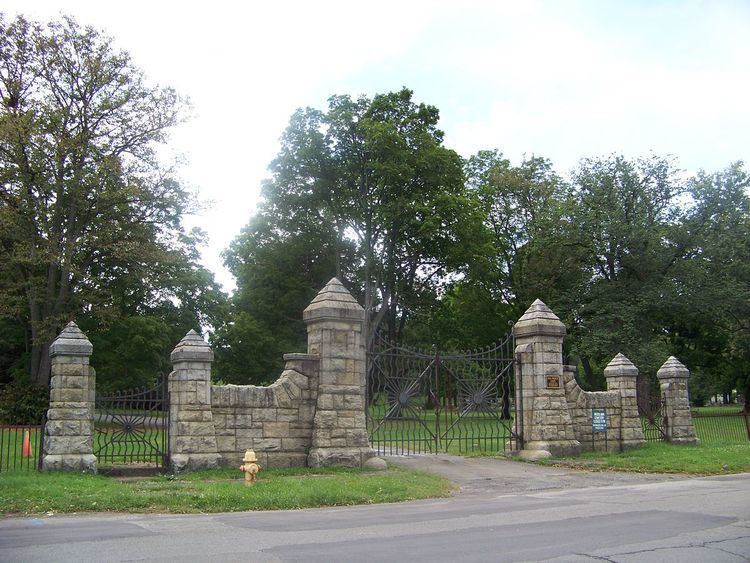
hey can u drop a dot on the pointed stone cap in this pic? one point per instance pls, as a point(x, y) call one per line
point(538, 320)
point(620, 366)
point(71, 342)
point(333, 302)
point(192, 348)
point(673, 369)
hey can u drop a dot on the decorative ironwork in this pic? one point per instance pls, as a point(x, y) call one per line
point(651, 410)
point(425, 401)
point(132, 427)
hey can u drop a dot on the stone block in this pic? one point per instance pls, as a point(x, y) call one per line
point(55, 413)
point(267, 444)
point(265, 414)
point(195, 444)
point(295, 444)
point(286, 459)
point(287, 415)
point(191, 415)
point(300, 431)
point(226, 443)
point(275, 429)
point(194, 429)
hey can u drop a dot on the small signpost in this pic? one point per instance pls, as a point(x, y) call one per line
point(598, 425)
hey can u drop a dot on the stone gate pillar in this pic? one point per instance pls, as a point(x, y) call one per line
point(192, 437)
point(68, 434)
point(673, 379)
point(622, 376)
point(334, 333)
point(547, 424)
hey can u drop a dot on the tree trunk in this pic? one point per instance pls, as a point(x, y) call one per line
point(746, 409)
point(588, 373)
point(40, 364)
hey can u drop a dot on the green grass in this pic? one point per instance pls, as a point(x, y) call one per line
point(213, 491)
point(703, 459)
point(718, 409)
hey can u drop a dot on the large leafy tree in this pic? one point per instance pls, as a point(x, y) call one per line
point(90, 219)
point(372, 179)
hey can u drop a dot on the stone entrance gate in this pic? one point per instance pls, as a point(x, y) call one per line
point(322, 410)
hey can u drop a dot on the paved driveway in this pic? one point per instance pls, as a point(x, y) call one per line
point(491, 476)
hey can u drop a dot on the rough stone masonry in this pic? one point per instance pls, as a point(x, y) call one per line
point(313, 415)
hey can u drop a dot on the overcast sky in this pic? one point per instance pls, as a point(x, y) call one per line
point(561, 79)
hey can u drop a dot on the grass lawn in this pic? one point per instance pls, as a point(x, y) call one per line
point(659, 457)
point(220, 490)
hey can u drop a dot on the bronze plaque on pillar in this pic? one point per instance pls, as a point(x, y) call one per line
point(553, 382)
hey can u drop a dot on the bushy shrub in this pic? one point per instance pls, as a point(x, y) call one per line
point(23, 403)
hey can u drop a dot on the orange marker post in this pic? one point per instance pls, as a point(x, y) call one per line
point(26, 450)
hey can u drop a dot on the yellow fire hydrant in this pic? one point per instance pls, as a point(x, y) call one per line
point(250, 467)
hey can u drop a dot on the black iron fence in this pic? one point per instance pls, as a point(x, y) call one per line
point(721, 426)
point(21, 447)
point(132, 427)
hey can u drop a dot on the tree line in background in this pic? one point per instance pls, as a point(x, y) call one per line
point(633, 255)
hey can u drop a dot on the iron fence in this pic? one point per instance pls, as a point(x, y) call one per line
point(721, 427)
point(132, 427)
point(422, 401)
point(21, 447)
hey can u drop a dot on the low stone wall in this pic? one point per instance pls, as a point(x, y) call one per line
point(557, 413)
point(581, 404)
point(313, 415)
point(275, 421)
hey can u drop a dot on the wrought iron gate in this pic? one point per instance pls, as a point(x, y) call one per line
point(427, 401)
point(651, 410)
point(131, 428)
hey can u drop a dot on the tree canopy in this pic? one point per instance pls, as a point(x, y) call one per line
point(90, 216)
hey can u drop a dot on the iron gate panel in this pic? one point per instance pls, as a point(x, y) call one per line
point(651, 410)
point(132, 427)
point(424, 401)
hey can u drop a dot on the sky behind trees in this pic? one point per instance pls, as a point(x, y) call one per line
point(564, 80)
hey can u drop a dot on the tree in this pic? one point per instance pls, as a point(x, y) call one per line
point(88, 213)
point(373, 175)
point(712, 334)
point(278, 273)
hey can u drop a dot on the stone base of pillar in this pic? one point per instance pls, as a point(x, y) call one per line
point(69, 462)
point(339, 457)
point(194, 462)
point(540, 449)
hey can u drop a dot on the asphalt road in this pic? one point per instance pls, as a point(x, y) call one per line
point(504, 512)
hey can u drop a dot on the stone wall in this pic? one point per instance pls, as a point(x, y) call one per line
point(557, 413)
point(313, 415)
point(275, 421)
point(623, 424)
point(581, 404)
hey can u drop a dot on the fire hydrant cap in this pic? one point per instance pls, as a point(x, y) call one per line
point(250, 456)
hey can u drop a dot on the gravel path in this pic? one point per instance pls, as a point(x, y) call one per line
point(492, 476)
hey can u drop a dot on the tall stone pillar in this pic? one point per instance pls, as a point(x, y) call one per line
point(622, 377)
point(547, 424)
point(673, 379)
point(192, 437)
point(68, 435)
point(334, 333)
